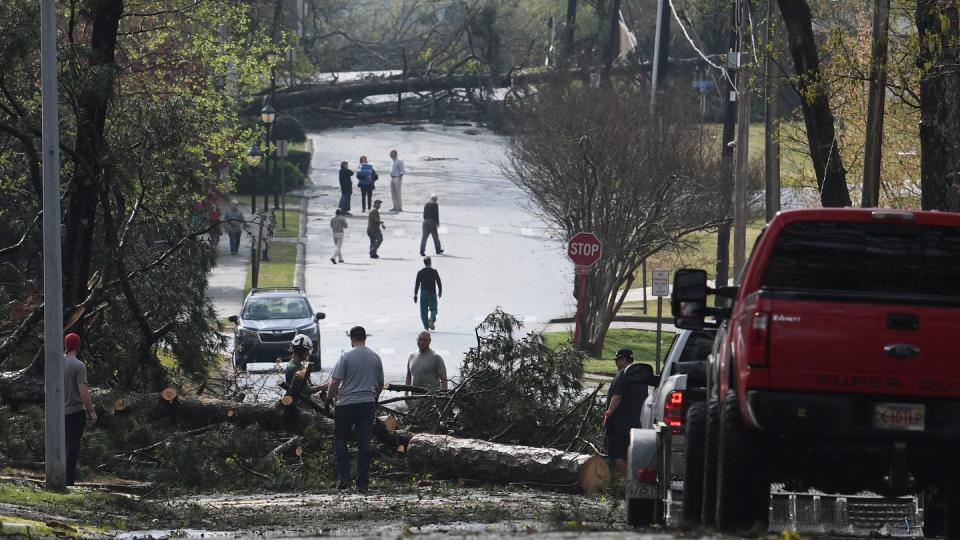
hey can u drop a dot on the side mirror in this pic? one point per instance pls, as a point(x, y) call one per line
point(233, 319)
point(688, 303)
point(319, 315)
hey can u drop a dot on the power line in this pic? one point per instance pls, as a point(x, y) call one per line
point(699, 52)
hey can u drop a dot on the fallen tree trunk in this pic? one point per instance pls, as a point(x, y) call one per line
point(481, 460)
point(328, 93)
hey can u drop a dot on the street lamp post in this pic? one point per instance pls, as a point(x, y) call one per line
point(272, 58)
point(268, 116)
point(254, 155)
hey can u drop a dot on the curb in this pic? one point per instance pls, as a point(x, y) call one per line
point(299, 279)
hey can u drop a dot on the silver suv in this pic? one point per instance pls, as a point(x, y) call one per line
point(267, 323)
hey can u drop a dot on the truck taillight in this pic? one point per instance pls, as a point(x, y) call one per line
point(673, 410)
point(647, 475)
point(759, 338)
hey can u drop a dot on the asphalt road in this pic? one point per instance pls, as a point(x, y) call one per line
point(496, 252)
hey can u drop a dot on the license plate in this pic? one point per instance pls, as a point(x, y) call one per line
point(636, 490)
point(902, 416)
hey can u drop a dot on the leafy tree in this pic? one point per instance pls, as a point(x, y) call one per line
point(143, 132)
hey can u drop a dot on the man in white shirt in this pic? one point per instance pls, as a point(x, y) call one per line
point(396, 180)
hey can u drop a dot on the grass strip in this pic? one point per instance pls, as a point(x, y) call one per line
point(642, 342)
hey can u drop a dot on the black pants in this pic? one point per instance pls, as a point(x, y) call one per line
point(74, 424)
point(429, 229)
point(366, 197)
point(376, 238)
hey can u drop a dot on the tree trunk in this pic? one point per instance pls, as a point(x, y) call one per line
point(815, 101)
point(480, 460)
point(91, 114)
point(937, 25)
point(331, 93)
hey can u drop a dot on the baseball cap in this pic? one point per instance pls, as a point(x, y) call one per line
point(71, 342)
point(625, 353)
point(357, 332)
point(378, 201)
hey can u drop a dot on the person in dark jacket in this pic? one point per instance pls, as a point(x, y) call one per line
point(431, 220)
point(366, 176)
point(624, 405)
point(430, 288)
point(346, 188)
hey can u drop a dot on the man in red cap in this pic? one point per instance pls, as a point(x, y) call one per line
point(76, 399)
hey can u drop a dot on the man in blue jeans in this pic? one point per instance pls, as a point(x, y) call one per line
point(355, 386)
point(430, 288)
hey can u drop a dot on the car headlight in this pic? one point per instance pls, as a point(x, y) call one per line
point(310, 330)
point(244, 332)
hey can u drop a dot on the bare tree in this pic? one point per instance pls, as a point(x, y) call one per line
point(588, 160)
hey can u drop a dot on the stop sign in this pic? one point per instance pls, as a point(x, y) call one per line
point(584, 249)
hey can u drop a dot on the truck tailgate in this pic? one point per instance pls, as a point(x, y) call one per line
point(858, 347)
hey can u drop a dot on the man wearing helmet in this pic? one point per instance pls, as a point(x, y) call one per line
point(297, 374)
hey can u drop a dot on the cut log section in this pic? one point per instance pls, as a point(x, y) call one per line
point(169, 394)
point(451, 457)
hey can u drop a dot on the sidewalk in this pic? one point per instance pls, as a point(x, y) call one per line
point(228, 277)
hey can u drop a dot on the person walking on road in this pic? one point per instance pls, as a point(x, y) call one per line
point(425, 368)
point(234, 218)
point(366, 176)
point(396, 181)
point(355, 386)
point(374, 226)
point(430, 288)
point(76, 400)
point(346, 187)
point(431, 220)
point(337, 224)
point(624, 404)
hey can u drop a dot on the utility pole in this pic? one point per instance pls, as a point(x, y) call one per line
point(569, 31)
point(771, 111)
point(870, 196)
point(726, 151)
point(661, 50)
point(743, 140)
point(54, 435)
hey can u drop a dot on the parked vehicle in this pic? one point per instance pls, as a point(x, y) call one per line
point(836, 369)
point(655, 457)
point(269, 320)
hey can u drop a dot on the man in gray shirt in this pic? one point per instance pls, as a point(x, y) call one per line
point(355, 386)
point(76, 400)
point(425, 368)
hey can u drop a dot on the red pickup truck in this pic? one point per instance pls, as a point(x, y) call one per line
point(835, 366)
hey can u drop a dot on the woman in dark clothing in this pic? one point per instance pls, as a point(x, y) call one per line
point(346, 187)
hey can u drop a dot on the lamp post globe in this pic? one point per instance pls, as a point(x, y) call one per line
point(268, 114)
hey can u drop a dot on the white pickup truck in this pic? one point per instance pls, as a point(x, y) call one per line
point(658, 446)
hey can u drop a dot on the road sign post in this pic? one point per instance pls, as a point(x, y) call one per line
point(661, 288)
point(282, 152)
point(584, 249)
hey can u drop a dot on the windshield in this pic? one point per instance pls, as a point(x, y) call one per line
point(260, 309)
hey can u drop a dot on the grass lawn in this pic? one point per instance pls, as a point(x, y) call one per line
point(279, 270)
point(643, 343)
point(293, 219)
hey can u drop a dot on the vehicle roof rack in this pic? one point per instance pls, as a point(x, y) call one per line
point(272, 289)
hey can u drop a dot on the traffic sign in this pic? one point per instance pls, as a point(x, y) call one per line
point(584, 249)
point(661, 283)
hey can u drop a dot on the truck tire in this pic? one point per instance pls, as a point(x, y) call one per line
point(711, 435)
point(941, 512)
point(693, 465)
point(743, 485)
point(640, 512)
